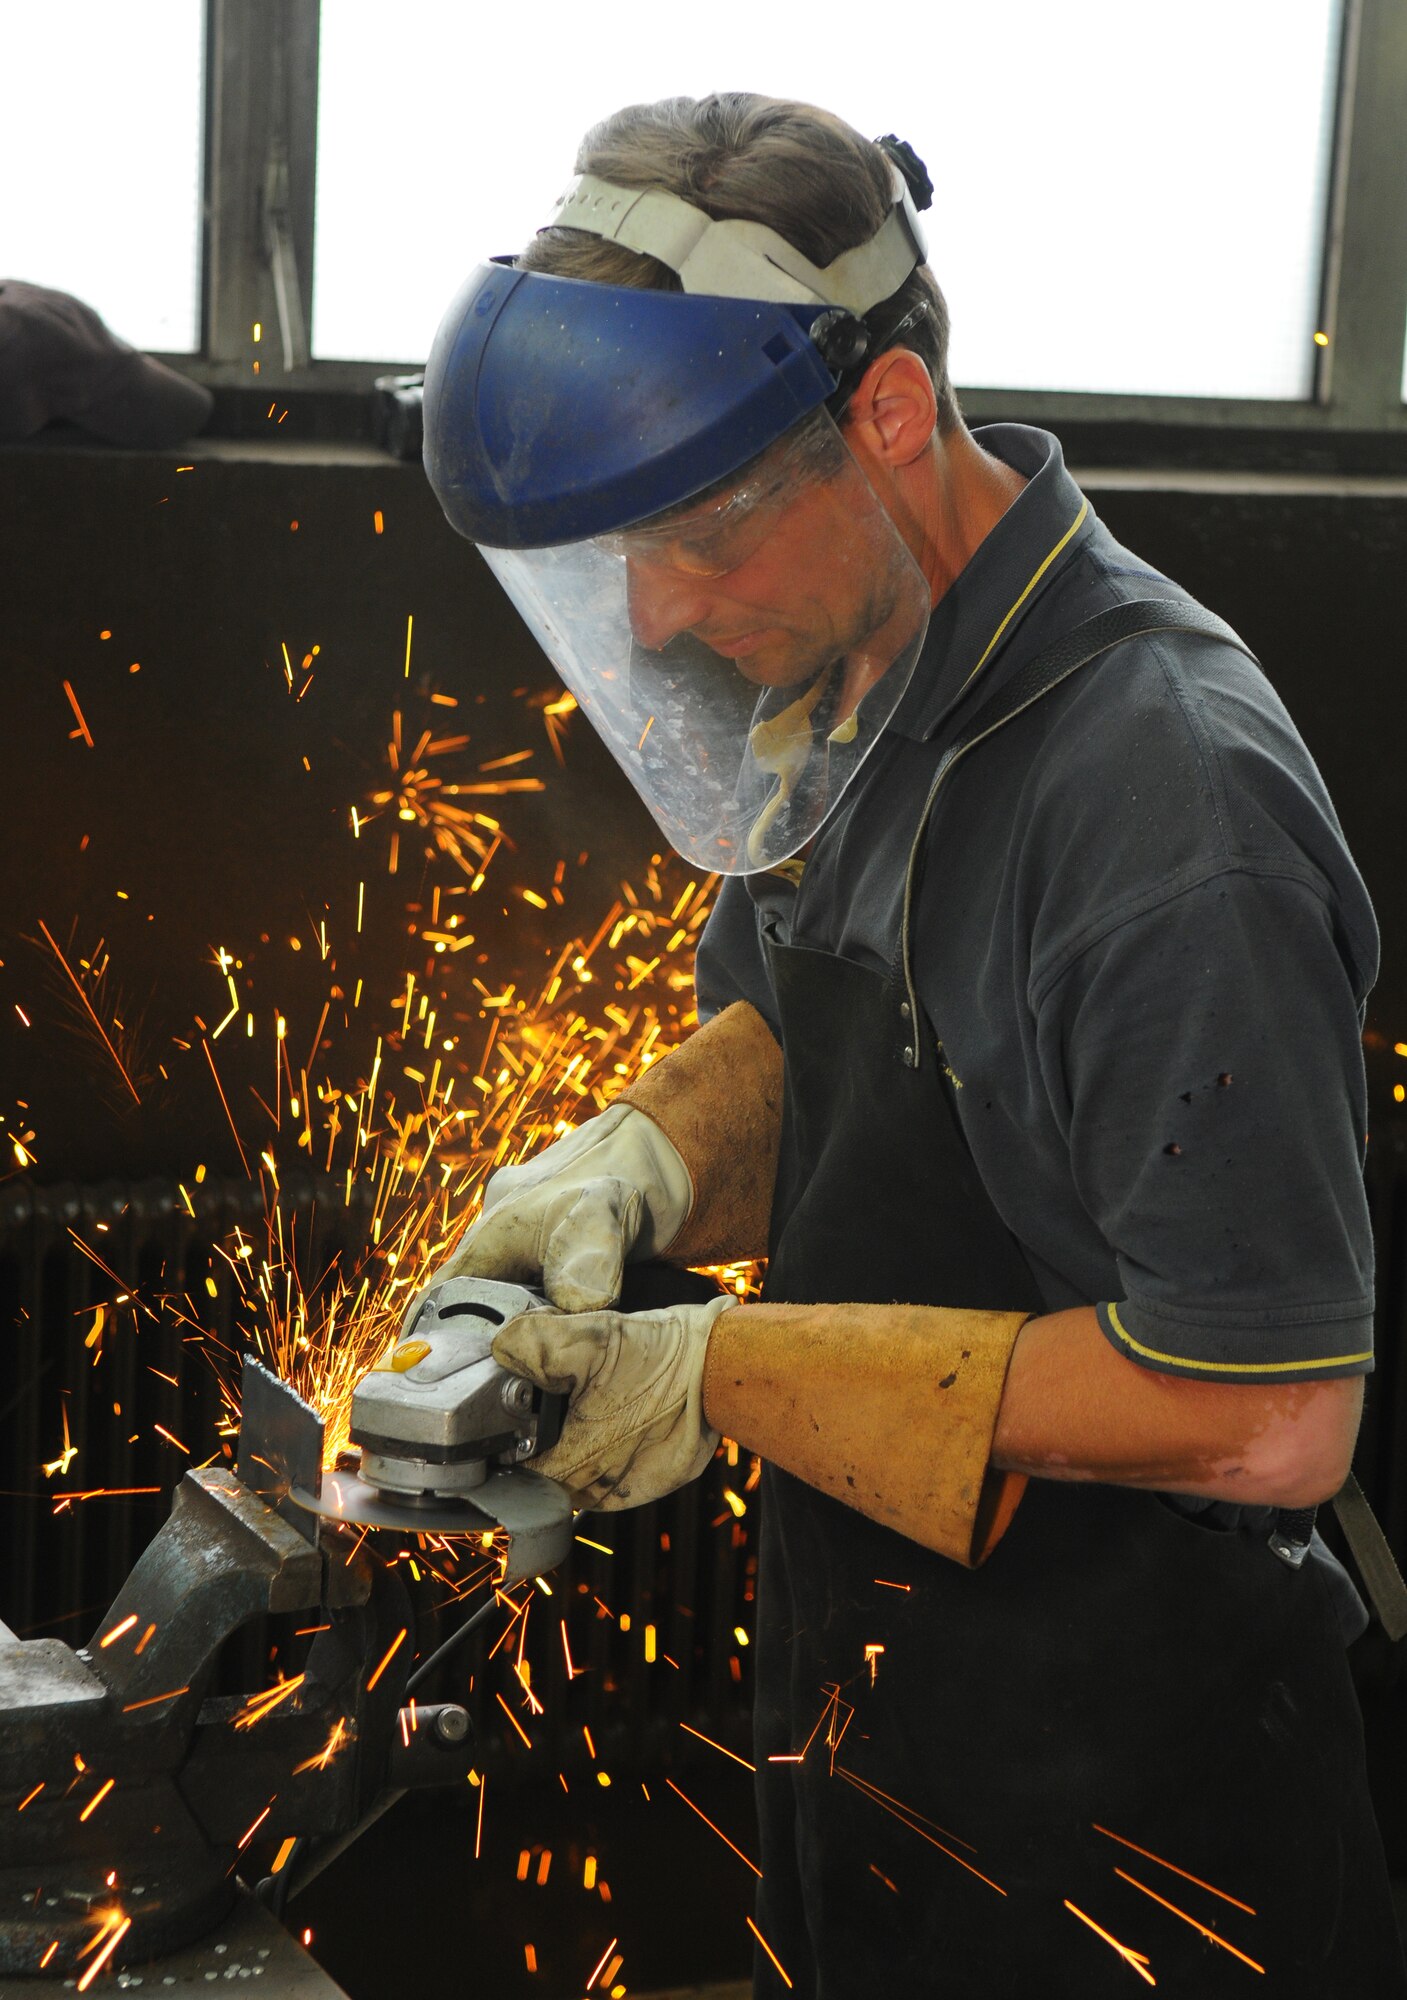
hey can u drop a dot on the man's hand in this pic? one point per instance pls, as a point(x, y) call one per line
point(636, 1428)
point(569, 1217)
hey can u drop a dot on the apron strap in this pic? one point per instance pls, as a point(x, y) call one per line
point(1369, 1546)
point(1055, 663)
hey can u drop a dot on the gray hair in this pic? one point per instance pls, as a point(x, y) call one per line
point(800, 170)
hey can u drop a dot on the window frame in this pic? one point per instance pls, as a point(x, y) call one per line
point(261, 85)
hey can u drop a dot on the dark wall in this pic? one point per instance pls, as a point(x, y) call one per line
point(195, 800)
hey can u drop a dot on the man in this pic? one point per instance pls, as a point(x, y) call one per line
point(1030, 1057)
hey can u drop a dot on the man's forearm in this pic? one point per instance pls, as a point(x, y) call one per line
point(857, 1401)
point(718, 1099)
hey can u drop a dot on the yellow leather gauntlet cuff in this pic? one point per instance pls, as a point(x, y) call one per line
point(890, 1408)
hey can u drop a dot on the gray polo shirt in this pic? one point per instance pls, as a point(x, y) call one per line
point(1142, 945)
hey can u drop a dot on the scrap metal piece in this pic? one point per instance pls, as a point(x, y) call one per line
point(280, 1444)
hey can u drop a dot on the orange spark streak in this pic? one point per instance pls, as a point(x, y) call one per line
point(260, 1705)
point(104, 1955)
point(640, 746)
point(513, 1719)
point(32, 1797)
point(1149, 1855)
point(395, 1644)
point(717, 1746)
point(768, 1949)
point(284, 1851)
point(716, 1829)
point(78, 715)
point(902, 1815)
point(567, 1651)
point(97, 1798)
point(48, 1954)
point(1190, 1920)
point(1137, 1959)
point(479, 1828)
point(601, 1966)
point(77, 986)
point(246, 1838)
point(244, 1158)
point(152, 1699)
point(125, 1625)
point(172, 1440)
point(885, 1584)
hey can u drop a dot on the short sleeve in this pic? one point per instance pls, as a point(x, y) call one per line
point(1204, 1059)
point(729, 964)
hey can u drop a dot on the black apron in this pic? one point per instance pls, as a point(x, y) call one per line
point(1114, 1665)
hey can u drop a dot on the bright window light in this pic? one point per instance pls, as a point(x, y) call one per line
point(100, 160)
point(1129, 198)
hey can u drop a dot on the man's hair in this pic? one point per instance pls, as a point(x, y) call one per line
point(803, 172)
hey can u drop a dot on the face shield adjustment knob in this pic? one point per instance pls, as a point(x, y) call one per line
point(841, 339)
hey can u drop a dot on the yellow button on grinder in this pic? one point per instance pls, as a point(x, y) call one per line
point(408, 1353)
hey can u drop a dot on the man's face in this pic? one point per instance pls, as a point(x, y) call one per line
point(782, 578)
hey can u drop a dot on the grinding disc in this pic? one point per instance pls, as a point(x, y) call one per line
point(534, 1513)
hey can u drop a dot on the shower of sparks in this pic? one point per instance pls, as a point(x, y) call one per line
point(1137, 1960)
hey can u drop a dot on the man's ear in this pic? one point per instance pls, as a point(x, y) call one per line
point(894, 411)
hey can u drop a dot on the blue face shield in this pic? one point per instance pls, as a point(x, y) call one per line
point(655, 480)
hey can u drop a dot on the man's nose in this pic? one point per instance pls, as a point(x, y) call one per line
point(662, 603)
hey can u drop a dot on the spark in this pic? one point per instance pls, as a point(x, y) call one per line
point(885, 1584)
point(260, 1705)
point(770, 1953)
point(1137, 1959)
point(601, 1963)
point(479, 1824)
point(126, 1624)
point(152, 1699)
point(123, 1926)
point(68, 1453)
point(32, 1796)
point(1149, 1855)
point(716, 1829)
point(172, 1440)
point(320, 1759)
point(282, 1856)
point(595, 1545)
point(1212, 1935)
point(640, 746)
point(97, 1798)
point(409, 623)
point(917, 1823)
point(249, 1834)
point(717, 1746)
point(48, 1954)
point(513, 1719)
point(390, 1655)
point(82, 729)
point(79, 990)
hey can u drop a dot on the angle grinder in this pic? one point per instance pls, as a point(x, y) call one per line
point(447, 1435)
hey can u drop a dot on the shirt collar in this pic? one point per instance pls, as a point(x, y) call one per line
point(969, 639)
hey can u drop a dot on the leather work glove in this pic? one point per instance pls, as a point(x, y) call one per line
point(570, 1217)
point(636, 1428)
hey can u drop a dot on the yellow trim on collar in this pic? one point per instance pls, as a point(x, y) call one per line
point(1230, 1367)
point(1068, 535)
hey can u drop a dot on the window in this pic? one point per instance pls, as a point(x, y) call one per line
point(100, 159)
point(1128, 198)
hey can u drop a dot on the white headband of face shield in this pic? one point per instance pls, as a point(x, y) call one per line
point(746, 260)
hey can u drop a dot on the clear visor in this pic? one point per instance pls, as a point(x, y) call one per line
point(740, 654)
